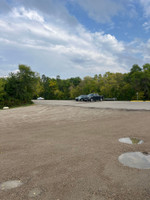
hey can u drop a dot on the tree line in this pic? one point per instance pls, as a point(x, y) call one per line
point(21, 87)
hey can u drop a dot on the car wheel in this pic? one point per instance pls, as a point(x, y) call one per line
point(81, 100)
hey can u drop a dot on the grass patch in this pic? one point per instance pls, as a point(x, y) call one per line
point(135, 140)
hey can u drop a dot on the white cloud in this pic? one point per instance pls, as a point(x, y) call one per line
point(51, 8)
point(145, 51)
point(60, 47)
point(132, 10)
point(146, 25)
point(28, 14)
point(57, 44)
point(146, 6)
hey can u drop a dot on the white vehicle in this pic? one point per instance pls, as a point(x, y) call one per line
point(40, 98)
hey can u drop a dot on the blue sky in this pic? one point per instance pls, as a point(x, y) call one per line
point(74, 37)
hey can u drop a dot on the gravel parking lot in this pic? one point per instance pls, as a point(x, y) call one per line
point(64, 150)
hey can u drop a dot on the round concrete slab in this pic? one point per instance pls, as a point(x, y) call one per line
point(129, 140)
point(137, 160)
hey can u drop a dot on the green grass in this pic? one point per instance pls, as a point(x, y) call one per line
point(135, 140)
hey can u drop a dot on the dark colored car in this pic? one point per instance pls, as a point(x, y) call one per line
point(95, 97)
point(82, 98)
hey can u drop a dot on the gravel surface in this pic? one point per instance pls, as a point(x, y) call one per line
point(121, 105)
point(64, 150)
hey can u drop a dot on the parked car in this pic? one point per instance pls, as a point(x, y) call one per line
point(40, 98)
point(95, 97)
point(82, 98)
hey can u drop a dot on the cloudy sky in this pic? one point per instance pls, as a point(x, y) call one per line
point(74, 37)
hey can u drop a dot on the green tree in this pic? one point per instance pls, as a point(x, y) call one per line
point(20, 87)
point(135, 68)
point(146, 67)
point(145, 81)
point(2, 91)
point(111, 85)
point(134, 79)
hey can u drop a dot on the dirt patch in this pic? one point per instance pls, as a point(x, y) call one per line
point(71, 153)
